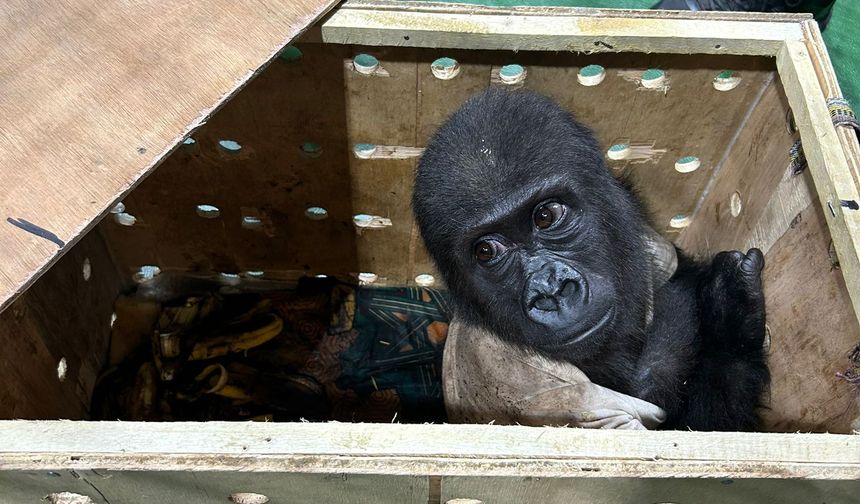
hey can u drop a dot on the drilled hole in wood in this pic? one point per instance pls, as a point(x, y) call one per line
point(445, 68)
point(727, 80)
point(316, 213)
point(124, 219)
point(248, 498)
point(618, 152)
point(230, 145)
point(87, 269)
point(687, 164)
point(291, 54)
point(251, 222)
point(512, 74)
point(365, 64)
point(367, 278)
point(364, 150)
point(62, 369)
point(311, 149)
point(679, 221)
point(735, 204)
point(653, 78)
point(68, 498)
point(425, 280)
point(591, 75)
point(146, 273)
point(208, 211)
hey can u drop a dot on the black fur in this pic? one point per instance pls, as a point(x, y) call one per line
point(480, 180)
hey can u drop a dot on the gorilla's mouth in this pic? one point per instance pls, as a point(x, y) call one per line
point(571, 340)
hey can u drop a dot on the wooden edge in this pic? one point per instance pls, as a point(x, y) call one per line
point(835, 182)
point(558, 29)
point(468, 450)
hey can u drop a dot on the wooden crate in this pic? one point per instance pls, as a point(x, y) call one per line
point(115, 90)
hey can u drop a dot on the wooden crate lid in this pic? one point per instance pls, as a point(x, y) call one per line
point(93, 95)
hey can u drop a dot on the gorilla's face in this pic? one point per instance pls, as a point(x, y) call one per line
point(538, 260)
point(534, 237)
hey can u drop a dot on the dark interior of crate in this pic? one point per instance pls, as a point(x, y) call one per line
point(279, 185)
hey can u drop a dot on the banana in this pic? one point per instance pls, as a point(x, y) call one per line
point(221, 345)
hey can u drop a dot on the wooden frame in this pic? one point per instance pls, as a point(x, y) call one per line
point(420, 463)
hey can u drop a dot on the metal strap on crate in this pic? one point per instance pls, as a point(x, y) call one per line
point(842, 115)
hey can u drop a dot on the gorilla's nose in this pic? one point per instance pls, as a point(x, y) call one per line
point(552, 288)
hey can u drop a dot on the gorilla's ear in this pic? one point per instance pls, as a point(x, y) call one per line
point(665, 258)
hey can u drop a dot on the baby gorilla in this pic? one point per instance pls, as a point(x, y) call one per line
point(540, 244)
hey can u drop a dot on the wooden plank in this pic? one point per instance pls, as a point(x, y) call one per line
point(558, 29)
point(112, 89)
point(105, 487)
point(812, 330)
point(455, 450)
point(834, 181)
point(62, 317)
point(629, 490)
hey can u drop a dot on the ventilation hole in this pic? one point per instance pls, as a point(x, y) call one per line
point(679, 221)
point(189, 141)
point(124, 219)
point(766, 343)
point(832, 211)
point(112, 319)
point(141, 150)
point(248, 498)
point(364, 150)
point(291, 54)
point(251, 222)
point(727, 80)
point(718, 46)
point(687, 164)
point(362, 220)
point(312, 149)
point(118, 208)
point(62, 369)
point(87, 269)
point(618, 151)
point(230, 145)
point(229, 278)
point(146, 273)
point(208, 211)
point(255, 274)
point(425, 280)
point(365, 64)
point(735, 204)
point(849, 204)
point(445, 68)
point(653, 78)
point(512, 74)
point(316, 213)
point(68, 498)
point(367, 278)
point(591, 75)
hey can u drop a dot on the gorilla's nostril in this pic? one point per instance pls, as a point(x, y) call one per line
point(545, 303)
point(569, 288)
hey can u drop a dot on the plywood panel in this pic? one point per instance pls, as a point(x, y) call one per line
point(63, 316)
point(95, 94)
point(270, 177)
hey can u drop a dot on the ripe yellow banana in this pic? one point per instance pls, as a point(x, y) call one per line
point(270, 326)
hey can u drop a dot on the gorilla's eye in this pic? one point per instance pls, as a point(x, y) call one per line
point(487, 250)
point(548, 214)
